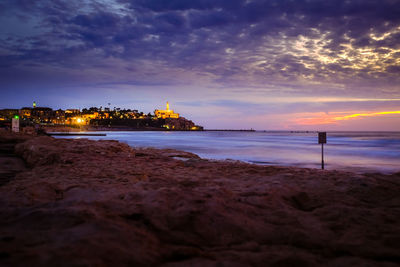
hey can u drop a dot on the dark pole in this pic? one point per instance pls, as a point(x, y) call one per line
point(322, 162)
point(322, 141)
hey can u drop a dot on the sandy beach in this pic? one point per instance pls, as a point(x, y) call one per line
point(103, 203)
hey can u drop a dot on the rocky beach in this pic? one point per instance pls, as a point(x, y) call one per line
point(79, 202)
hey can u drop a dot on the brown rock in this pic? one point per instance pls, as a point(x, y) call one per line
point(104, 203)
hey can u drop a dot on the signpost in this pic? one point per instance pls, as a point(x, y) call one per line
point(15, 124)
point(322, 141)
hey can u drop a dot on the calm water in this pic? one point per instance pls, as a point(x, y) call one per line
point(352, 151)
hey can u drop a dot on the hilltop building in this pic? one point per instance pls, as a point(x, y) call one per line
point(25, 112)
point(72, 111)
point(167, 113)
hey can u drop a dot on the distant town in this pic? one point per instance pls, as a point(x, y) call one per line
point(97, 118)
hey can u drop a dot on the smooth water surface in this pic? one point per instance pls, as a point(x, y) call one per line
point(352, 151)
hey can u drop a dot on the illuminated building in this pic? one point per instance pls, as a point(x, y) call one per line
point(72, 111)
point(25, 112)
point(58, 117)
point(168, 113)
point(8, 114)
point(81, 119)
point(42, 115)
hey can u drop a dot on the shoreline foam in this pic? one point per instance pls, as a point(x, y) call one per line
point(83, 202)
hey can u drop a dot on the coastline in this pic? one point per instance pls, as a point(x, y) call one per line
point(122, 128)
point(105, 203)
point(50, 129)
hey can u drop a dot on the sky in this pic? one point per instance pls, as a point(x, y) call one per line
point(225, 64)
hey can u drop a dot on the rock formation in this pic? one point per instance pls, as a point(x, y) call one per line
point(103, 203)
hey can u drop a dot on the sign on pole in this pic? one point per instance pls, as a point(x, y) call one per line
point(322, 138)
point(322, 141)
point(15, 124)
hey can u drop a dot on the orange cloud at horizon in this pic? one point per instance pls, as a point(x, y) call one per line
point(366, 115)
point(332, 119)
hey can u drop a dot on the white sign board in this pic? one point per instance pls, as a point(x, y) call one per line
point(15, 125)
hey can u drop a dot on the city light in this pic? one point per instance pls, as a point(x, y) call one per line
point(94, 118)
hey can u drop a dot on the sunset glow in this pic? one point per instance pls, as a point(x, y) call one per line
point(366, 115)
point(320, 119)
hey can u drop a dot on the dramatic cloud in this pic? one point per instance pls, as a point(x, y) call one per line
point(278, 48)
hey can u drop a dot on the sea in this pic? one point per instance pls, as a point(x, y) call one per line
point(361, 152)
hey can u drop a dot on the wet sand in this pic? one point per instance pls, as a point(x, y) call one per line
point(103, 203)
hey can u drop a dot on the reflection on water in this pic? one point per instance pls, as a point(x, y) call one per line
point(354, 151)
